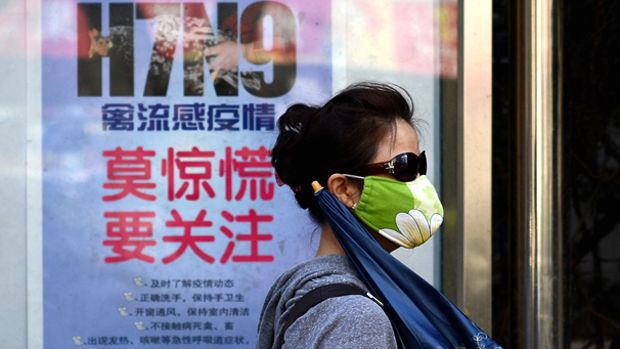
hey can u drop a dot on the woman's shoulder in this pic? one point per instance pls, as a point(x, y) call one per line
point(310, 274)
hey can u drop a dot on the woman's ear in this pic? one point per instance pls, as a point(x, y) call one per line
point(343, 189)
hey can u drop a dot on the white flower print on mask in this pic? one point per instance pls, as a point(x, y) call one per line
point(413, 228)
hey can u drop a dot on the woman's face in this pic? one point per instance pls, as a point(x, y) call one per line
point(402, 139)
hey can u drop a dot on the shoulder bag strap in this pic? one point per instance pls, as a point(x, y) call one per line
point(318, 295)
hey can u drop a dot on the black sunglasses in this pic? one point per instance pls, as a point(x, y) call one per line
point(404, 167)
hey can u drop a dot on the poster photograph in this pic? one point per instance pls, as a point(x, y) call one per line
point(163, 223)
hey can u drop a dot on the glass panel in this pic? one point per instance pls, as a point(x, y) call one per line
point(591, 170)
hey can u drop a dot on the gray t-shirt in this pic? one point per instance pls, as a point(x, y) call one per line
point(352, 321)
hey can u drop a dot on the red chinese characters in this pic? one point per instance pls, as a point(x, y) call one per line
point(189, 174)
point(129, 173)
point(253, 237)
point(187, 239)
point(194, 170)
point(129, 233)
point(254, 170)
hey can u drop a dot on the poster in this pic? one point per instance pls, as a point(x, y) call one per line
point(163, 224)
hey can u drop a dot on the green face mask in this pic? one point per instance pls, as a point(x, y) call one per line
point(406, 213)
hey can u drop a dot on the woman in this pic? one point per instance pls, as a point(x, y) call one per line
point(364, 130)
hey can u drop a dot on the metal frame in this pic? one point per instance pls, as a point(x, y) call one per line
point(538, 177)
point(467, 169)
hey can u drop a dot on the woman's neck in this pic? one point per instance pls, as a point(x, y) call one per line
point(329, 244)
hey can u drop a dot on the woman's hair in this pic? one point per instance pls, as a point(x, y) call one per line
point(339, 137)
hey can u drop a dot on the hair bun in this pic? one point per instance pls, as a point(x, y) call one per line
point(295, 118)
point(287, 152)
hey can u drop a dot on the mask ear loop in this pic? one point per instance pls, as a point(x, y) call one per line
point(356, 177)
point(353, 176)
